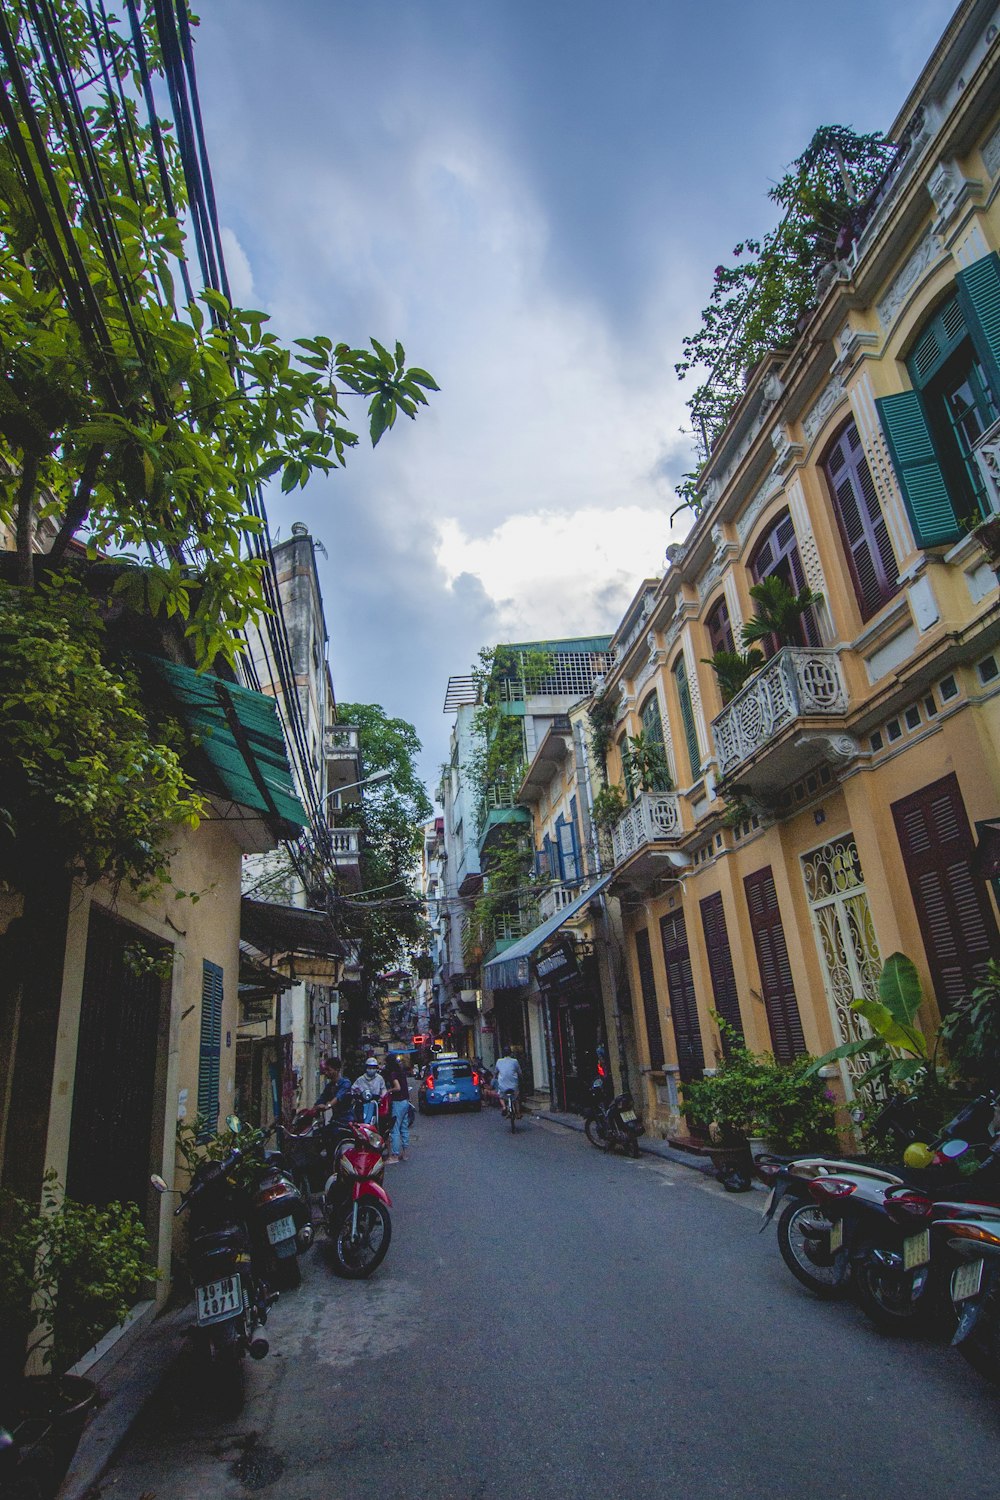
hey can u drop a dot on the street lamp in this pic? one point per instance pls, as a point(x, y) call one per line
point(372, 780)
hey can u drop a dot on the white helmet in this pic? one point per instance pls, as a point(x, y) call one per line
point(371, 1065)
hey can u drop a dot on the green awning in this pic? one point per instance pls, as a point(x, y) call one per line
point(239, 734)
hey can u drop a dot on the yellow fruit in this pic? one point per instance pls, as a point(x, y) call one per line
point(918, 1155)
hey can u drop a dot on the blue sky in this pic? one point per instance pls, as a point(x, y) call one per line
point(531, 195)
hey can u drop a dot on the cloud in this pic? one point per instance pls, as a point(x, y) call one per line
point(238, 267)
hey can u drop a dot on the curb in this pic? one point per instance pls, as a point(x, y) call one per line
point(648, 1148)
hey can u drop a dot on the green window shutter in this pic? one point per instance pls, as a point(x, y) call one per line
point(979, 297)
point(210, 1047)
point(917, 469)
point(687, 718)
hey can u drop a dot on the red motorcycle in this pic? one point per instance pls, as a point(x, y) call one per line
point(355, 1204)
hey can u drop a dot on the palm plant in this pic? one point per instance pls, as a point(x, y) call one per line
point(778, 612)
point(647, 763)
point(733, 668)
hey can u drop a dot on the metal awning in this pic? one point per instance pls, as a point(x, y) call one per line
point(511, 969)
point(289, 929)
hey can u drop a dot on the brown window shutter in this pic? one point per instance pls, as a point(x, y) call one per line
point(720, 966)
point(651, 1010)
point(683, 1002)
point(780, 1003)
point(952, 906)
point(862, 524)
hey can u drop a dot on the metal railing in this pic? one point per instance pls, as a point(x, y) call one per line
point(798, 682)
point(654, 817)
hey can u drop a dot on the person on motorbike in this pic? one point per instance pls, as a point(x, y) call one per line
point(372, 1087)
point(507, 1078)
point(337, 1089)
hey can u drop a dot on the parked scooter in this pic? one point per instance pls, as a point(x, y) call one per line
point(232, 1296)
point(972, 1237)
point(345, 1161)
point(610, 1121)
point(279, 1218)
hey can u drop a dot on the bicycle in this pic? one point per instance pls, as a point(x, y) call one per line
point(510, 1108)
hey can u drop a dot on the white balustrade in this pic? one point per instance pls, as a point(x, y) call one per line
point(652, 818)
point(798, 682)
point(345, 843)
point(556, 898)
point(339, 740)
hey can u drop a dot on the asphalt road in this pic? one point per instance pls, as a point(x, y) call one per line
point(551, 1324)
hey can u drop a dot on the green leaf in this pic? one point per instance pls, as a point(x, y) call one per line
point(885, 1026)
point(899, 988)
point(421, 377)
point(846, 1049)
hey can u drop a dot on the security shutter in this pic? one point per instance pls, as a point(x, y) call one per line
point(780, 1003)
point(979, 298)
point(953, 909)
point(651, 1010)
point(720, 965)
point(211, 1046)
point(683, 1002)
point(862, 524)
point(917, 469)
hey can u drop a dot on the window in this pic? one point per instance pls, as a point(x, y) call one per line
point(650, 1005)
point(569, 856)
point(626, 767)
point(652, 728)
point(210, 1047)
point(776, 980)
point(683, 1002)
point(719, 627)
point(777, 555)
point(862, 525)
point(687, 716)
point(932, 429)
point(720, 967)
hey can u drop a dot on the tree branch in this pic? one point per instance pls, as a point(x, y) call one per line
point(79, 507)
point(25, 516)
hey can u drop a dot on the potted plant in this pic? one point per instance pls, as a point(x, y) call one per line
point(726, 1103)
point(647, 763)
point(733, 669)
point(777, 612)
point(69, 1272)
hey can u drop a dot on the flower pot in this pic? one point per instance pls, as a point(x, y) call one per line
point(733, 1167)
point(987, 534)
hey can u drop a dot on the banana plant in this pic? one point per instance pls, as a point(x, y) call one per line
point(897, 1049)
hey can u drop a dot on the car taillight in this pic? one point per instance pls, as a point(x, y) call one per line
point(430, 1082)
point(831, 1187)
point(600, 1070)
point(475, 1080)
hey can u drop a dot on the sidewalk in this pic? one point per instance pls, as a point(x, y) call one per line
point(124, 1391)
point(647, 1145)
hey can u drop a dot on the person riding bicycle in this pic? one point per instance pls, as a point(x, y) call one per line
point(507, 1078)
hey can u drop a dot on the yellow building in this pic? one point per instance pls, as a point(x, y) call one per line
point(825, 816)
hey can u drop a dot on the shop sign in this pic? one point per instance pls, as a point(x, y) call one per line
point(557, 968)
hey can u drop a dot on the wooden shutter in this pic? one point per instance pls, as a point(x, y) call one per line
point(650, 1007)
point(568, 856)
point(862, 525)
point(687, 717)
point(720, 965)
point(952, 906)
point(917, 469)
point(780, 1003)
point(211, 1046)
point(720, 630)
point(979, 298)
point(683, 1001)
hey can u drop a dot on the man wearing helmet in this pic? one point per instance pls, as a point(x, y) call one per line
point(372, 1087)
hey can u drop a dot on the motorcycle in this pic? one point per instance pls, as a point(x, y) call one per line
point(232, 1297)
point(279, 1219)
point(973, 1240)
point(345, 1160)
point(611, 1121)
point(847, 1220)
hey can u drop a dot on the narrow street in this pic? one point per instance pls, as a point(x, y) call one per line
point(550, 1322)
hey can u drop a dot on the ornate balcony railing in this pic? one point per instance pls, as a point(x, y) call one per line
point(345, 843)
point(654, 817)
point(798, 682)
point(556, 898)
point(340, 739)
point(987, 456)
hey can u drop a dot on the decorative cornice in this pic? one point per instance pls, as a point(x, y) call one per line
point(748, 519)
point(832, 394)
point(949, 189)
point(925, 254)
point(990, 152)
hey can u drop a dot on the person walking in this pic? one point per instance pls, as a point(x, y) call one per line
point(399, 1090)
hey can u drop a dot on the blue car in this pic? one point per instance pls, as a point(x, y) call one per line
point(451, 1082)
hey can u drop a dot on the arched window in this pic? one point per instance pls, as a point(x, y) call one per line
point(687, 716)
point(862, 525)
point(626, 761)
point(652, 728)
point(719, 627)
point(776, 555)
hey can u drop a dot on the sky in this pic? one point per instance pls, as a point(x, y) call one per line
point(531, 195)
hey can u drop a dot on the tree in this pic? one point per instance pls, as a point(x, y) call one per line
point(386, 920)
point(757, 305)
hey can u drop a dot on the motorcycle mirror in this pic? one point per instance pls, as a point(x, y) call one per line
point(951, 1149)
point(234, 1124)
point(158, 1183)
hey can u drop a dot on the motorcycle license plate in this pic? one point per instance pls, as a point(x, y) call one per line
point(281, 1229)
point(836, 1235)
point(967, 1280)
point(219, 1299)
point(916, 1250)
point(628, 1115)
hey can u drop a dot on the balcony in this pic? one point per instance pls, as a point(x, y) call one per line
point(987, 456)
point(556, 898)
point(645, 833)
point(497, 809)
point(342, 753)
point(345, 852)
point(759, 734)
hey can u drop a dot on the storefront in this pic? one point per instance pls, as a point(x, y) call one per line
point(570, 988)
